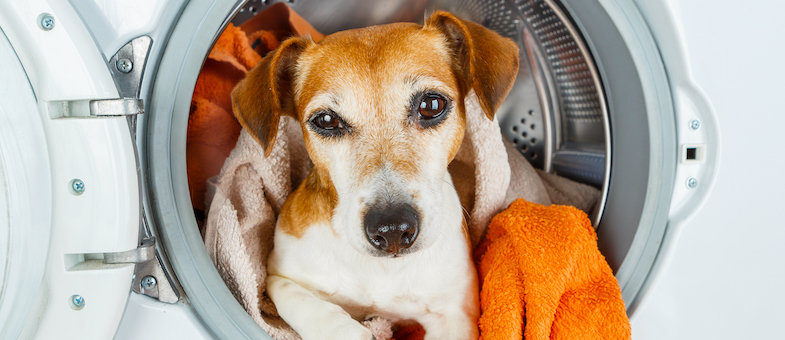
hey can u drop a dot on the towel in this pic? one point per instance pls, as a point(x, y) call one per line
point(488, 173)
point(543, 277)
point(243, 201)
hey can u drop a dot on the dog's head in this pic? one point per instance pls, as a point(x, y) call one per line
point(382, 114)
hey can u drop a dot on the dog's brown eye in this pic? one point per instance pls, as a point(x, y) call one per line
point(429, 108)
point(327, 123)
point(432, 106)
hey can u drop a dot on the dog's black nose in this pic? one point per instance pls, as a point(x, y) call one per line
point(392, 228)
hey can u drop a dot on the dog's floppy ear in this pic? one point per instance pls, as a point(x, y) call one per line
point(483, 60)
point(266, 93)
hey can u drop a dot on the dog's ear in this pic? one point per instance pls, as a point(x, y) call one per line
point(266, 93)
point(483, 60)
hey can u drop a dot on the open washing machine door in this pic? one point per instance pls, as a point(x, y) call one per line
point(25, 187)
point(592, 103)
point(70, 191)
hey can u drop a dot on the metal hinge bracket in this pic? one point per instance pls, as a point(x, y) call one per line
point(150, 277)
point(127, 68)
point(145, 252)
point(95, 108)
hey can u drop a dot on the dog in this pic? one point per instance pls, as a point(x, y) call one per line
point(376, 228)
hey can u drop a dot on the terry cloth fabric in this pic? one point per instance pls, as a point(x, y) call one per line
point(543, 277)
point(488, 174)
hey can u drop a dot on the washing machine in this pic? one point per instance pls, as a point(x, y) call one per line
point(670, 108)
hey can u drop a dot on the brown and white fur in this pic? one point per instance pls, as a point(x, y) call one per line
point(376, 229)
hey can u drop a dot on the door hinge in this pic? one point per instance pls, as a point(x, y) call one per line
point(95, 108)
point(145, 252)
point(127, 68)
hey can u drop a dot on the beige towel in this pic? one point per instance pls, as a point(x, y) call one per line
point(487, 175)
point(245, 200)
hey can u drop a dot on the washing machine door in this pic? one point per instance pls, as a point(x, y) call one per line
point(25, 194)
point(69, 193)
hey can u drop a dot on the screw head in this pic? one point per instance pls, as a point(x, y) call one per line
point(692, 183)
point(695, 124)
point(77, 302)
point(77, 186)
point(125, 65)
point(149, 282)
point(47, 22)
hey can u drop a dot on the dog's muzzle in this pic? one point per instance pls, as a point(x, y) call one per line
point(392, 229)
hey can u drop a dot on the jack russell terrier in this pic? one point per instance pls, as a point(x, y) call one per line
point(376, 229)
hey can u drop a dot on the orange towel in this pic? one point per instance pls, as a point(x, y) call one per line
point(212, 127)
point(543, 277)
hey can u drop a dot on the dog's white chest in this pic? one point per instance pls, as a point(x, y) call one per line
point(322, 276)
point(396, 288)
